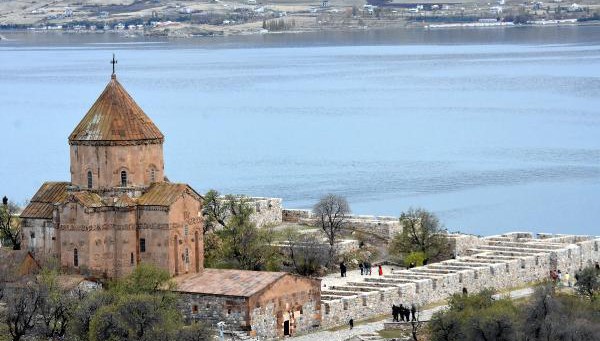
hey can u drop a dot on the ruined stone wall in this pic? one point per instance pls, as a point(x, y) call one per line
point(499, 262)
point(461, 243)
point(267, 211)
point(141, 162)
point(294, 215)
point(384, 227)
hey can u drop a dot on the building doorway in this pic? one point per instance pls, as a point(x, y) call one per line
point(286, 328)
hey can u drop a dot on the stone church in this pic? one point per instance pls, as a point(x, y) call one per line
point(118, 209)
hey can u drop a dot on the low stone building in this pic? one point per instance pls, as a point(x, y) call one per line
point(267, 304)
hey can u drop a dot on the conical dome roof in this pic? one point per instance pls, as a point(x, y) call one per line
point(115, 118)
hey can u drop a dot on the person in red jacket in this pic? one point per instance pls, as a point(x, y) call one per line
point(380, 270)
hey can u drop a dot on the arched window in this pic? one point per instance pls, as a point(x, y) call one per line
point(90, 179)
point(75, 258)
point(123, 178)
point(131, 259)
point(152, 174)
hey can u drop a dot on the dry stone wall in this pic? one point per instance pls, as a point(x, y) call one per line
point(499, 262)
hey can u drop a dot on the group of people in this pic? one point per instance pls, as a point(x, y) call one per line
point(365, 269)
point(404, 313)
point(559, 279)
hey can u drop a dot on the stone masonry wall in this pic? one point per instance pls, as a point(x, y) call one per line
point(213, 309)
point(267, 211)
point(499, 262)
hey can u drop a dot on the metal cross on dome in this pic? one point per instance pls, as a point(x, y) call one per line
point(113, 62)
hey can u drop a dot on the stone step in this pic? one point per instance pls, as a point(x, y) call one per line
point(472, 265)
point(339, 293)
point(510, 249)
point(389, 280)
point(433, 271)
point(412, 275)
point(354, 288)
point(497, 257)
point(529, 245)
point(505, 253)
point(371, 285)
point(452, 266)
point(478, 260)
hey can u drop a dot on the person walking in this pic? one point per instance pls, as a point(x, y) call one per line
point(361, 267)
point(413, 312)
point(343, 269)
point(559, 278)
point(401, 311)
point(367, 268)
point(394, 313)
point(380, 270)
point(351, 323)
point(568, 279)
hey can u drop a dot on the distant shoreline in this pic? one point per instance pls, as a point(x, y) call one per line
point(306, 30)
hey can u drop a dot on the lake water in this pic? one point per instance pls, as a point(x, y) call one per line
point(493, 129)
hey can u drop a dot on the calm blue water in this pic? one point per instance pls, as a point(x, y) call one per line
point(494, 130)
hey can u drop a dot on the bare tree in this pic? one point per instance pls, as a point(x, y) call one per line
point(306, 252)
point(10, 224)
point(55, 306)
point(22, 309)
point(331, 212)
